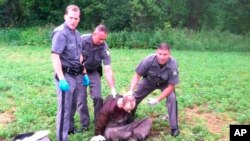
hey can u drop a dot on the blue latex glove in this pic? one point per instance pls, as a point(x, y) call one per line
point(85, 80)
point(63, 85)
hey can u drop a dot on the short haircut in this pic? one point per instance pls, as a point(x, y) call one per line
point(101, 28)
point(73, 8)
point(164, 46)
point(128, 99)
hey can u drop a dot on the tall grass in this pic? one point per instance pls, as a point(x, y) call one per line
point(179, 39)
point(9, 36)
point(26, 36)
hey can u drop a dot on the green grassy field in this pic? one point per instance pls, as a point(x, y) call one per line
point(212, 94)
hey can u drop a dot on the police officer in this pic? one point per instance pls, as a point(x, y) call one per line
point(66, 59)
point(96, 51)
point(159, 71)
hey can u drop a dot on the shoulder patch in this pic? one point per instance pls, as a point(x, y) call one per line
point(175, 72)
point(107, 52)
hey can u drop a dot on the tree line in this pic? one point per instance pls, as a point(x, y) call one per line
point(132, 15)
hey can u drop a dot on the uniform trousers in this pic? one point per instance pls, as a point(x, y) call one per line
point(67, 105)
point(95, 93)
point(145, 88)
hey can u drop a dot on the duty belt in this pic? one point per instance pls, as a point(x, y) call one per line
point(98, 69)
point(157, 84)
point(72, 71)
point(90, 71)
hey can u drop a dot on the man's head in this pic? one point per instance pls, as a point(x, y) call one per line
point(72, 16)
point(163, 53)
point(99, 35)
point(128, 103)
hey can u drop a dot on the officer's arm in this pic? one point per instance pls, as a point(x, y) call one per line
point(167, 91)
point(57, 65)
point(81, 59)
point(109, 76)
point(134, 81)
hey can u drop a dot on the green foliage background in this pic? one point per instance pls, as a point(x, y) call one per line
point(179, 39)
point(135, 15)
point(210, 40)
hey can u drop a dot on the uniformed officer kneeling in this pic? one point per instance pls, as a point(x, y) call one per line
point(159, 71)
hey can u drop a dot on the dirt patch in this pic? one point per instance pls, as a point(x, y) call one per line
point(7, 117)
point(153, 134)
point(157, 132)
point(217, 124)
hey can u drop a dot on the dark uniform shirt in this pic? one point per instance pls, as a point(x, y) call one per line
point(111, 115)
point(158, 75)
point(67, 44)
point(95, 54)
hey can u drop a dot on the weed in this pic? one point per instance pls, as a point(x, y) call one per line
point(215, 82)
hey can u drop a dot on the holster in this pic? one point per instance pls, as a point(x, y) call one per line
point(99, 70)
point(72, 71)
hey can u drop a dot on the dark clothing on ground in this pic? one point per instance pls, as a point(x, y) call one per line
point(114, 123)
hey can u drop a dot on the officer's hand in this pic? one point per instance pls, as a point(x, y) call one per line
point(152, 101)
point(63, 85)
point(98, 138)
point(129, 93)
point(113, 92)
point(85, 80)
